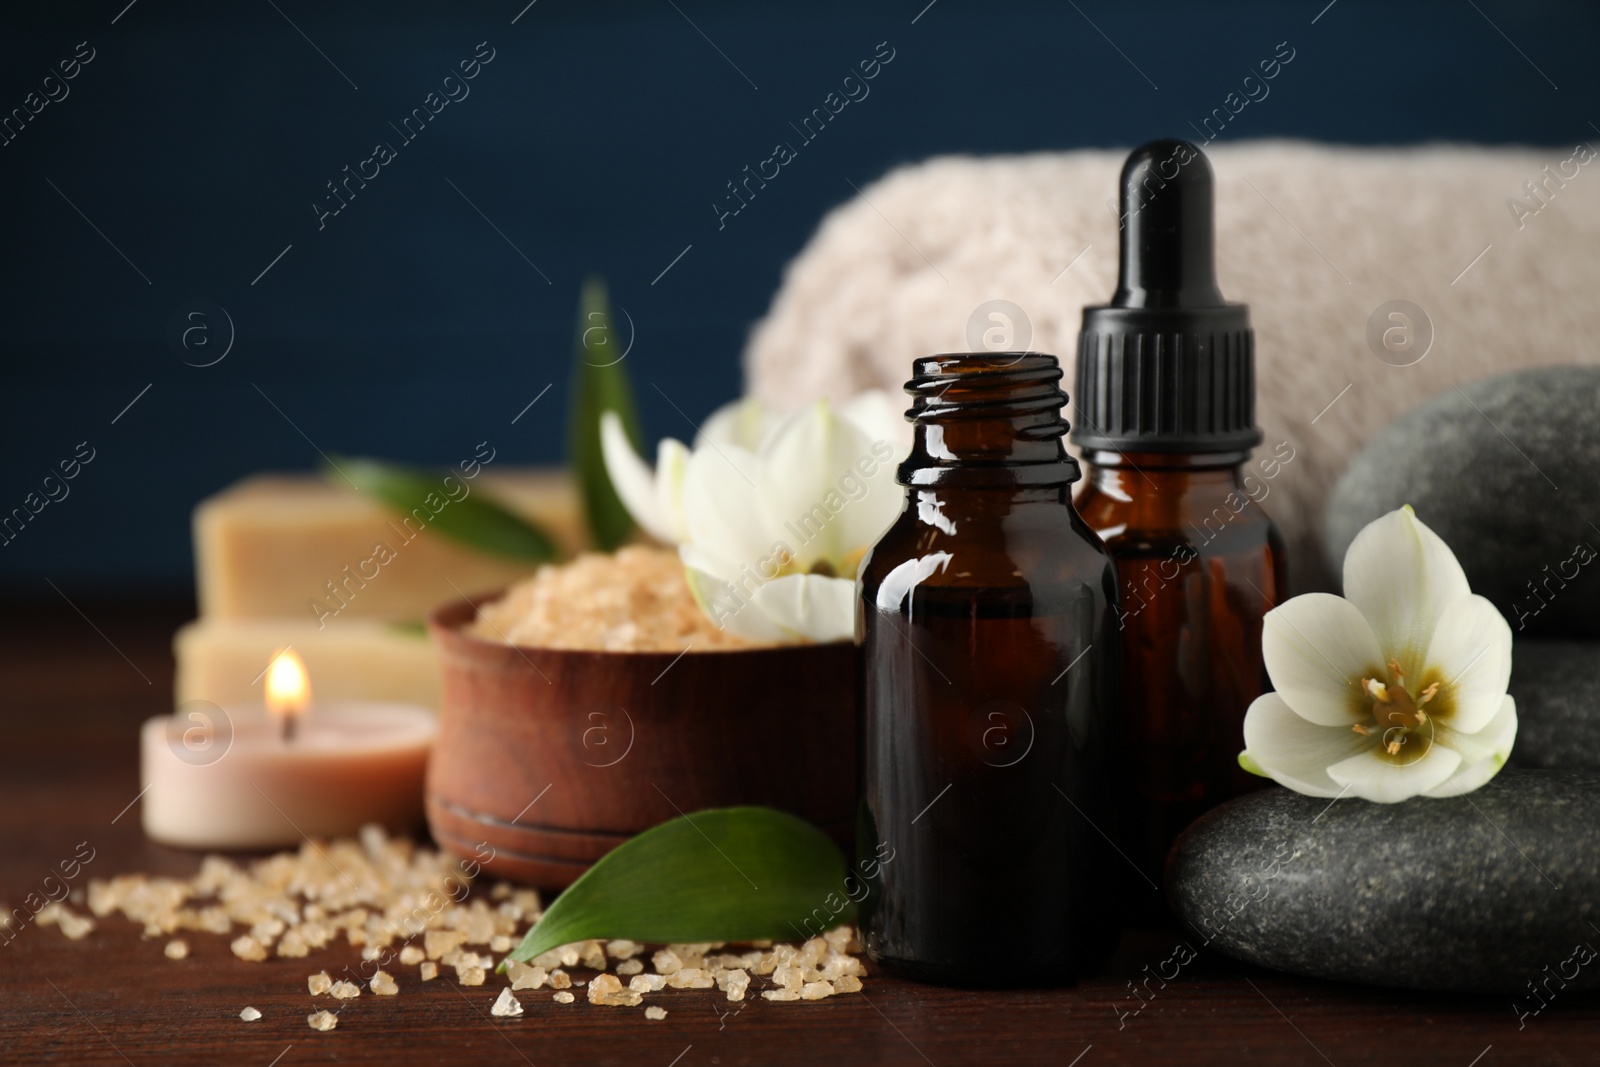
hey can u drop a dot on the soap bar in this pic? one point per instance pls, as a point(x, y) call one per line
point(223, 660)
point(303, 547)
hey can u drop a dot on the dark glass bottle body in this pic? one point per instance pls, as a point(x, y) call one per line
point(988, 668)
point(1199, 564)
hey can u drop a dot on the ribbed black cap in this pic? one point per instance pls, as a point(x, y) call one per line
point(1168, 365)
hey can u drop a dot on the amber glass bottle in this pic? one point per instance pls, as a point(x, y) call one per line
point(1166, 421)
point(989, 666)
point(1199, 563)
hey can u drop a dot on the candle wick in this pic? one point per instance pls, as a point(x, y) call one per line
point(288, 728)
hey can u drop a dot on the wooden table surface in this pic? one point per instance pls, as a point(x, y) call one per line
point(80, 677)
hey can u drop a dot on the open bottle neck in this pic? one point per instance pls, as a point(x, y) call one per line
point(988, 420)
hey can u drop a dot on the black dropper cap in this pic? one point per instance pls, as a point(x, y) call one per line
point(1168, 366)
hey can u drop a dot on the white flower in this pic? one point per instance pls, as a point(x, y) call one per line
point(1395, 690)
point(771, 513)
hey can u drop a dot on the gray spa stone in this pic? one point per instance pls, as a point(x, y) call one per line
point(1507, 471)
point(1479, 893)
point(1557, 686)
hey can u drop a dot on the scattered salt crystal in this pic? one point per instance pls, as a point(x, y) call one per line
point(525, 977)
point(506, 1005)
point(653, 1012)
point(624, 949)
point(607, 990)
point(372, 952)
point(383, 984)
point(293, 945)
point(248, 948)
point(344, 990)
point(779, 994)
point(176, 949)
point(250, 1015)
point(630, 966)
point(647, 983)
point(501, 891)
point(411, 955)
point(666, 961)
point(500, 943)
point(319, 983)
point(470, 975)
point(438, 942)
point(74, 926)
point(788, 976)
point(690, 978)
point(429, 971)
point(734, 983)
point(569, 955)
point(559, 979)
point(816, 991)
point(563, 997)
point(592, 956)
point(848, 984)
point(323, 1020)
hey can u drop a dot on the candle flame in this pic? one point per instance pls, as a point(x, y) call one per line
point(288, 687)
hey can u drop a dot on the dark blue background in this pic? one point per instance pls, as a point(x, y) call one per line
point(597, 141)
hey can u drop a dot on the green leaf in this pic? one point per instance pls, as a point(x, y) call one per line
point(409, 628)
point(723, 874)
point(473, 520)
point(599, 384)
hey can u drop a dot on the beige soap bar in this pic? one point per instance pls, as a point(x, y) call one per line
point(301, 547)
point(222, 660)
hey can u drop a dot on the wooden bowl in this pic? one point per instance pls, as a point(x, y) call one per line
point(549, 758)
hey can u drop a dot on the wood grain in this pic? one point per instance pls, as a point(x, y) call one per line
point(68, 768)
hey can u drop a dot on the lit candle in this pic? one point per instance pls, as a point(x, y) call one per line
point(265, 777)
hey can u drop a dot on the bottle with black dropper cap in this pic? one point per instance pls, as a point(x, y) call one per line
point(1165, 403)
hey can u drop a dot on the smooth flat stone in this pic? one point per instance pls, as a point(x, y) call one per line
point(1505, 470)
point(1557, 686)
point(1482, 893)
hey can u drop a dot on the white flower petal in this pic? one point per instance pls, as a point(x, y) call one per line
point(810, 606)
point(1490, 744)
point(731, 609)
point(808, 459)
point(722, 506)
point(743, 423)
point(873, 499)
point(1294, 752)
point(1317, 648)
point(633, 480)
point(881, 416)
point(672, 467)
point(1470, 656)
point(1402, 576)
point(1373, 775)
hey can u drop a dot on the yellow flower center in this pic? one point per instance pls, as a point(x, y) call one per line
point(1398, 720)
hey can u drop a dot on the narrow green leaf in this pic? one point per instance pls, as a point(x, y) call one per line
point(724, 874)
point(409, 628)
point(599, 384)
point(426, 497)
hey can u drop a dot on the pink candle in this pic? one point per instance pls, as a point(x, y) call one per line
point(252, 778)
